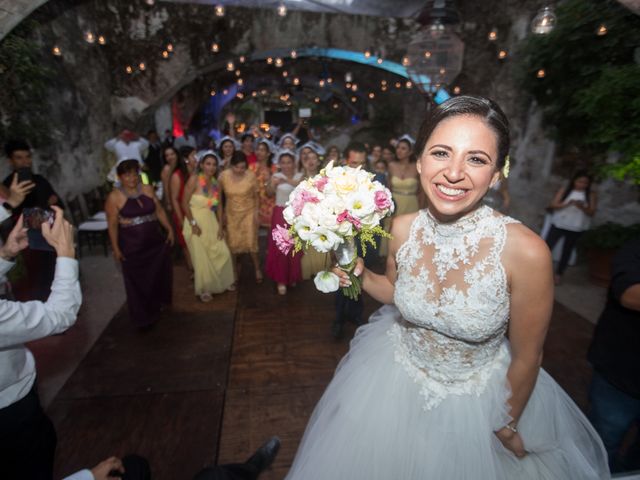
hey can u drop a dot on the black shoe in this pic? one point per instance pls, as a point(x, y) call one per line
point(265, 455)
point(336, 329)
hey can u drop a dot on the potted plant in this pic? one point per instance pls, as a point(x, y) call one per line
point(601, 243)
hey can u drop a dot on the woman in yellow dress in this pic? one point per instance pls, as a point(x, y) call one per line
point(239, 188)
point(312, 261)
point(213, 268)
point(404, 185)
point(263, 168)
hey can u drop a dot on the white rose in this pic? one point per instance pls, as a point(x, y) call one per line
point(327, 282)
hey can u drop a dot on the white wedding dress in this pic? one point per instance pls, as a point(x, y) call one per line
point(424, 384)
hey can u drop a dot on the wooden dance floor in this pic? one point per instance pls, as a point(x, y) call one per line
point(212, 381)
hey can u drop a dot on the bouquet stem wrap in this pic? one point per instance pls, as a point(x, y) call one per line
point(346, 255)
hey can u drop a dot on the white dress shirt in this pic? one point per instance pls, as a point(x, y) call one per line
point(81, 475)
point(127, 151)
point(22, 322)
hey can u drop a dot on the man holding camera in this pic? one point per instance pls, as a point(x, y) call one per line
point(28, 439)
point(40, 260)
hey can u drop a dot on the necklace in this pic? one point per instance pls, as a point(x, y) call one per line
point(210, 190)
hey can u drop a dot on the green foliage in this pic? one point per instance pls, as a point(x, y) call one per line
point(591, 90)
point(24, 79)
point(609, 236)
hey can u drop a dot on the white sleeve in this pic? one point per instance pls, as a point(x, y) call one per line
point(22, 322)
point(81, 475)
point(144, 144)
point(111, 144)
point(4, 214)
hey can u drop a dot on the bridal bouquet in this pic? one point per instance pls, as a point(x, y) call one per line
point(330, 212)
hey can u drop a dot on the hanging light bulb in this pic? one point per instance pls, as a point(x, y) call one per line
point(436, 29)
point(254, 94)
point(321, 83)
point(409, 84)
point(398, 84)
point(285, 74)
point(354, 87)
point(544, 21)
point(427, 54)
point(502, 54)
point(541, 73)
point(230, 66)
point(219, 10)
point(353, 99)
point(279, 62)
point(405, 61)
point(493, 35)
point(238, 73)
point(335, 106)
point(282, 9)
point(383, 88)
point(317, 99)
point(151, 3)
point(170, 47)
point(294, 54)
point(348, 77)
point(102, 40)
point(128, 69)
point(240, 82)
point(456, 90)
point(367, 53)
point(89, 37)
point(212, 93)
point(372, 95)
point(142, 66)
point(56, 51)
point(215, 48)
point(240, 95)
point(242, 59)
point(383, 82)
point(269, 60)
point(225, 92)
point(379, 60)
point(329, 80)
point(296, 81)
point(348, 85)
point(602, 30)
point(165, 54)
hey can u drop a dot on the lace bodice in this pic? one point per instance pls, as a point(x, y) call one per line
point(452, 294)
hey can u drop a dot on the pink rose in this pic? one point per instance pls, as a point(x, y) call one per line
point(381, 200)
point(352, 220)
point(301, 199)
point(320, 183)
point(283, 239)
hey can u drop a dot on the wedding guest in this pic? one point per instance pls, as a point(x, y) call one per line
point(333, 155)
point(186, 140)
point(615, 387)
point(283, 269)
point(153, 160)
point(185, 166)
point(388, 154)
point(239, 211)
point(40, 260)
point(381, 171)
point(212, 264)
point(288, 141)
point(170, 156)
point(573, 206)
point(28, 438)
point(246, 142)
point(227, 147)
point(127, 145)
point(134, 217)
point(374, 156)
point(168, 139)
point(263, 168)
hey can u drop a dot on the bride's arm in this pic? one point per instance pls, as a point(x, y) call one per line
point(529, 268)
point(382, 287)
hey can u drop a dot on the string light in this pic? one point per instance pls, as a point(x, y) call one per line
point(383, 88)
point(225, 92)
point(348, 85)
point(493, 35)
point(427, 54)
point(282, 10)
point(269, 60)
point(409, 84)
point(230, 66)
point(317, 99)
point(215, 48)
point(602, 30)
point(329, 80)
point(379, 61)
point(294, 54)
point(372, 95)
point(398, 84)
point(502, 54)
point(353, 99)
point(129, 69)
point(56, 51)
point(242, 59)
point(544, 21)
point(254, 94)
point(170, 47)
point(279, 62)
point(541, 73)
point(285, 74)
point(212, 93)
point(238, 73)
point(219, 10)
point(456, 90)
point(165, 54)
point(321, 83)
point(335, 106)
point(142, 66)
point(240, 82)
point(354, 87)
point(296, 81)
point(151, 3)
point(383, 82)
point(405, 61)
point(89, 37)
point(102, 40)
point(240, 95)
point(367, 53)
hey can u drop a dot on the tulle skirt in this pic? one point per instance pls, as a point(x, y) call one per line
point(371, 424)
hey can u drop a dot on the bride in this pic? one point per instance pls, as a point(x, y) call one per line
point(447, 383)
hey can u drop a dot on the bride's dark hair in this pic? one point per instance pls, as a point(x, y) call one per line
point(481, 107)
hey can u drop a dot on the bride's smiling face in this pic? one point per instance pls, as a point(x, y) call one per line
point(458, 165)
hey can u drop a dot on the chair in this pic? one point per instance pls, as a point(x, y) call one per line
point(89, 229)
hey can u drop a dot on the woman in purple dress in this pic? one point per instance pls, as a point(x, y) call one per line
point(135, 217)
